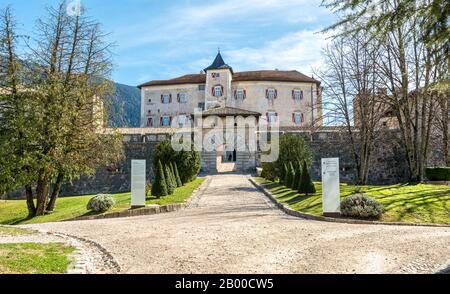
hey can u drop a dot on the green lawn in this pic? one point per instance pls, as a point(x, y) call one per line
point(403, 203)
point(14, 212)
point(11, 231)
point(32, 258)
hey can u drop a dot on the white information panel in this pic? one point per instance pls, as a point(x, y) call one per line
point(138, 177)
point(330, 186)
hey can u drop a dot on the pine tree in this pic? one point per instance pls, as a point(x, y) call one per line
point(172, 174)
point(169, 181)
point(289, 175)
point(283, 175)
point(159, 187)
point(298, 174)
point(177, 175)
point(306, 186)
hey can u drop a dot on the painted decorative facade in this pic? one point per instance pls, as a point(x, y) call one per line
point(290, 97)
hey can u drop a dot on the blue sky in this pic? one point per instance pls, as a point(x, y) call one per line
point(165, 39)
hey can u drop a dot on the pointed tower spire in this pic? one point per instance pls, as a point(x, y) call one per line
point(218, 63)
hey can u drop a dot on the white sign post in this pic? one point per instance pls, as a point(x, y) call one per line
point(138, 183)
point(330, 186)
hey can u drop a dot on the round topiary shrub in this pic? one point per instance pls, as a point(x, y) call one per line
point(101, 203)
point(361, 206)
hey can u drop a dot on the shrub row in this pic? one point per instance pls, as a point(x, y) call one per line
point(438, 173)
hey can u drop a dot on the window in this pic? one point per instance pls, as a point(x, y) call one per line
point(201, 105)
point(182, 98)
point(217, 91)
point(240, 94)
point(271, 94)
point(150, 122)
point(182, 120)
point(201, 87)
point(165, 121)
point(166, 98)
point(272, 117)
point(297, 94)
point(298, 118)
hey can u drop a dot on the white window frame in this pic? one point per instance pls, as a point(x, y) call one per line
point(240, 93)
point(299, 115)
point(218, 91)
point(271, 117)
point(182, 120)
point(183, 98)
point(298, 94)
point(164, 119)
point(271, 94)
point(164, 99)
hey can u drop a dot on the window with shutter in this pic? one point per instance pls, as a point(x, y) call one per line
point(182, 98)
point(297, 94)
point(166, 98)
point(240, 94)
point(218, 91)
point(271, 94)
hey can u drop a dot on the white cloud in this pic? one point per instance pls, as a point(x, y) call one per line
point(296, 51)
point(198, 22)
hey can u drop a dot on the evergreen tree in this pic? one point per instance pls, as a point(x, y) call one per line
point(159, 187)
point(306, 186)
point(293, 175)
point(169, 181)
point(283, 174)
point(289, 175)
point(298, 174)
point(172, 174)
point(177, 175)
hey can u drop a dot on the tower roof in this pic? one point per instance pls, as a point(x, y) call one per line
point(218, 63)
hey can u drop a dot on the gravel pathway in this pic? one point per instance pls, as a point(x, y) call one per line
point(233, 228)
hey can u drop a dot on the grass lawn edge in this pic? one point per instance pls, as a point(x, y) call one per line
point(71, 208)
point(290, 211)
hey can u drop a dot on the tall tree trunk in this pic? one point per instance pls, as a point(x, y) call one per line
point(55, 193)
point(42, 189)
point(30, 202)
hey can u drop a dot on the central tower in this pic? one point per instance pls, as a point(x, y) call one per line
point(218, 83)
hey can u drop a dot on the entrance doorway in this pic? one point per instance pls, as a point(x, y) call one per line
point(230, 156)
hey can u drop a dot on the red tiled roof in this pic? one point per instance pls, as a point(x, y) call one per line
point(260, 75)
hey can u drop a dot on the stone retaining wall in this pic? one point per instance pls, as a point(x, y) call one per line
point(388, 164)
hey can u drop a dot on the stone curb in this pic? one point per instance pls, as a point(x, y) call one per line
point(289, 211)
point(150, 210)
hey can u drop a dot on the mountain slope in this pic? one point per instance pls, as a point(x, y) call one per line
point(125, 108)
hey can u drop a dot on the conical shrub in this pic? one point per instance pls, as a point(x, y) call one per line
point(177, 175)
point(298, 174)
point(172, 175)
point(283, 174)
point(159, 187)
point(289, 175)
point(169, 181)
point(306, 186)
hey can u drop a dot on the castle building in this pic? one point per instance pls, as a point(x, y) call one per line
point(288, 97)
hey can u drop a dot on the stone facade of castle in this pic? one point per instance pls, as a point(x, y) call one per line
point(289, 97)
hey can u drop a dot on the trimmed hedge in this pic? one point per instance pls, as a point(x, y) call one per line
point(438, 173)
